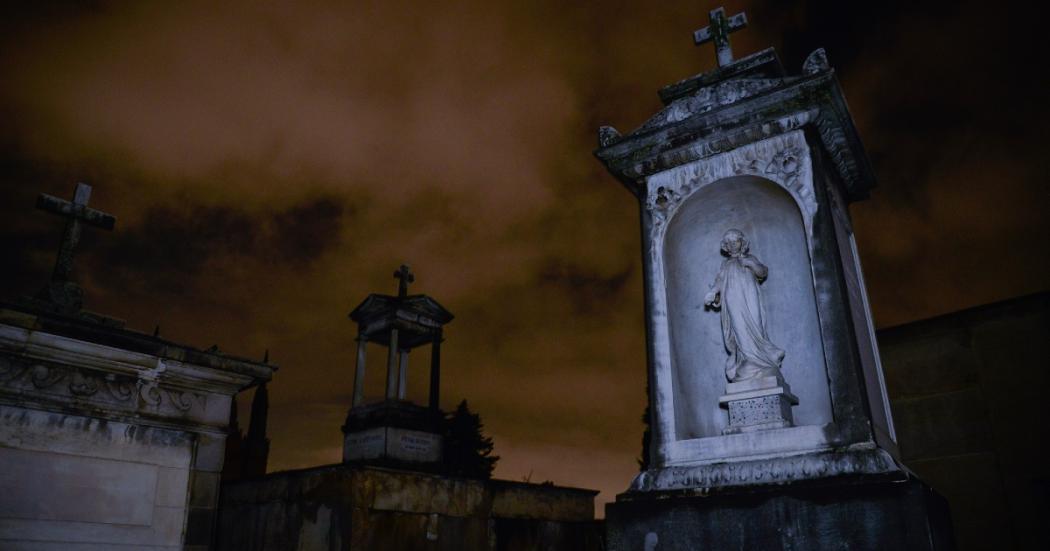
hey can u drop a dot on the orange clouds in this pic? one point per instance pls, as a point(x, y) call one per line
point(271, 163)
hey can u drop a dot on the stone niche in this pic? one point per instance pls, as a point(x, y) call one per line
point(772, 220)
point(833, 415)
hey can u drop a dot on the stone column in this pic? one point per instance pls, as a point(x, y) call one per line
point(402, 378)
point(391, 367)
point(359, 370)
point(435, 373)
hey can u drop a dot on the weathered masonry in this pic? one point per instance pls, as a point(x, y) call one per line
point(355, 507)
point(769, 408)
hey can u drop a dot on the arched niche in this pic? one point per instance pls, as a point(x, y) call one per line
point(771, 219)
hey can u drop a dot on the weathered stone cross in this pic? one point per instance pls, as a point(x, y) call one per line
point(718, 32)
point(404, 276)
point(75, 213)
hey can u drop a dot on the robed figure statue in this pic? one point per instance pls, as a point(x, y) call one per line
point(736, 293)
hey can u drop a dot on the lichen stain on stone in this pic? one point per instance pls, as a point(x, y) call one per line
point(151, 436)
point(17, 418)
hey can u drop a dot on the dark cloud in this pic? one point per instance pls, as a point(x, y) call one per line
point(590, 292)
point(173, 244)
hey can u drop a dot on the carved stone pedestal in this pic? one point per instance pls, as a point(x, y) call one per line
point(758, 404)
point(394, 434)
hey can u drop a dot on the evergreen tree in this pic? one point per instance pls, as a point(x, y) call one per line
point(468, 452)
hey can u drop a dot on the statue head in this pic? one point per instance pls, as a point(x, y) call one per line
point(734, 243)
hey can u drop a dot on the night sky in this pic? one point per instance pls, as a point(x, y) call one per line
point(270, 165)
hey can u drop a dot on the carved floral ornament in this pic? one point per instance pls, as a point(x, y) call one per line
point(709, 98)
point(766, 471)
point(105, 387)
point(782, 159)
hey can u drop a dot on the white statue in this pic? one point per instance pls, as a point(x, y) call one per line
point(736, 293)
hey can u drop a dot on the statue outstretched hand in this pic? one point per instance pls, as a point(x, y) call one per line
point(713, 299)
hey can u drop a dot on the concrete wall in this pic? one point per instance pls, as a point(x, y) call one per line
point(77, 483)
point(968, 394)
point(357, 508)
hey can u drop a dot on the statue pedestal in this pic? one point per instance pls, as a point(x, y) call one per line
point(758, 404)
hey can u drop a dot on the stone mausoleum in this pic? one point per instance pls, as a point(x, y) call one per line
point(771, 425)
point(109, 438)
point(395, 431)
point(392, 490)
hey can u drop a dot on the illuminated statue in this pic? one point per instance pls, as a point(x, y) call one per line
point(736, 293)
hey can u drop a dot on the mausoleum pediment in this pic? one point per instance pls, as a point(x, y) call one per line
point(743, 102)
point(709, 98)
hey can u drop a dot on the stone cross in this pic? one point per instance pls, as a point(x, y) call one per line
point(75, 213)
point(718, 32)
point(404, 276)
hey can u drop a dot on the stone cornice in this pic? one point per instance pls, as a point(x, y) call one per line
point(730, 114)
point(90, 331)
point(54, 372)
point(771, 471)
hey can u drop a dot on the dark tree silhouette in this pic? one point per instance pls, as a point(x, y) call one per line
point(468, 452)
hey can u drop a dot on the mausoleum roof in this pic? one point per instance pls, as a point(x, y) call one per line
point(97, 329)
point(417, 317)
point(745, 101)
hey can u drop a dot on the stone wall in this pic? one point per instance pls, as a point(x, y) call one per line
point(75, 480)
point(967, 393)
point(343, 507)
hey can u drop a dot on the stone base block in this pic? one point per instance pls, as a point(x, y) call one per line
point(752, 409)
point(856, 514)
point(392, 443)
point(736, 476)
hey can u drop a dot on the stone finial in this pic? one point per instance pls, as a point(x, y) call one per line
point(404, 276)
point(718, 32)
point(607, 136)
point(816, 62)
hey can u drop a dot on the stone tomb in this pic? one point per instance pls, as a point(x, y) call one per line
point(766, 190)
point(109, 437)
point(395, 431)
point(763, 369)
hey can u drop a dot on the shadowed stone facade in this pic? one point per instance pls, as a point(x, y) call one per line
point(351, 508)
point(967, 394)
point(109, 437)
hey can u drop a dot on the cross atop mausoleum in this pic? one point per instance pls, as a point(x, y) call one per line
point(718, 32)
point(404, 276)
point(74, 212)
point(62, 291)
